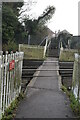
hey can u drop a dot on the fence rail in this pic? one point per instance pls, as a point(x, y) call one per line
point(10, 78)
point(76, 77)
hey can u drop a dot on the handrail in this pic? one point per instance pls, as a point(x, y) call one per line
point(45, 47)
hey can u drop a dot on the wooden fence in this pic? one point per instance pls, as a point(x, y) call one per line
point(10, 78)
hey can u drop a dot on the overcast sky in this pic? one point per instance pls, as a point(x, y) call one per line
point(65, 17)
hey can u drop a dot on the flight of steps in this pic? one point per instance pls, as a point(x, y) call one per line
point(52, 50)
point(52, 53)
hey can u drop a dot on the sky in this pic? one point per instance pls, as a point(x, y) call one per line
point(65, 17)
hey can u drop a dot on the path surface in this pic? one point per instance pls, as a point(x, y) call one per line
point(44, 99)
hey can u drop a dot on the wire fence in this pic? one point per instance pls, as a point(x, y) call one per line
point(76, 77)
point(10, 78)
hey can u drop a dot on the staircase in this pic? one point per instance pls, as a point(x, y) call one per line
point(52, 50)
point(52, 53)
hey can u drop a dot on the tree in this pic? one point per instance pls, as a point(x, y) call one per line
point(37, 27)
point(64, 36)
point(47, 15)
point(10, 24)
point(13, 29)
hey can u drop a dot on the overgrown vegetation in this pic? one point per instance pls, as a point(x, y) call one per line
point(16, 30)
point(67, 55)
point(74, 103)
point(11, 27)
point(32, 52)
point(9, 113)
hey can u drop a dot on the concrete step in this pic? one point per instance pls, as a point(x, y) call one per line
point(52, 53)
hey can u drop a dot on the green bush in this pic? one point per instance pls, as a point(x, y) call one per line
point(74, 103)
point(10, 46)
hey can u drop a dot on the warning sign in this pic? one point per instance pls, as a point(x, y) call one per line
point(11, 65)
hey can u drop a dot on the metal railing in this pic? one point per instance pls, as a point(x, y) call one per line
point(47, 44)
point(10, 78)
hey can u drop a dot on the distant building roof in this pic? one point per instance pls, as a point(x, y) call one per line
point(65, 31)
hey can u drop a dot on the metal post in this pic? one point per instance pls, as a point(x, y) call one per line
point(5, 82)
point(61, 46)
point(6, 61)
point(2, 71)
point(45, 47)
point(9, 95)
point(29, 37)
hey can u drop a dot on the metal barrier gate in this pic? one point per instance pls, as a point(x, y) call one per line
point(10, 78)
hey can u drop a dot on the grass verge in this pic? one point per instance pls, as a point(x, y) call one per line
point(67, 55)
point(74, 103)
point(9, 113)
point(32, 52)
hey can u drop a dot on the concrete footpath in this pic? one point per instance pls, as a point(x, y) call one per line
point(44, 99)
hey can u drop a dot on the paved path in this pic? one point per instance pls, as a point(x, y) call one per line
point(44, 99)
